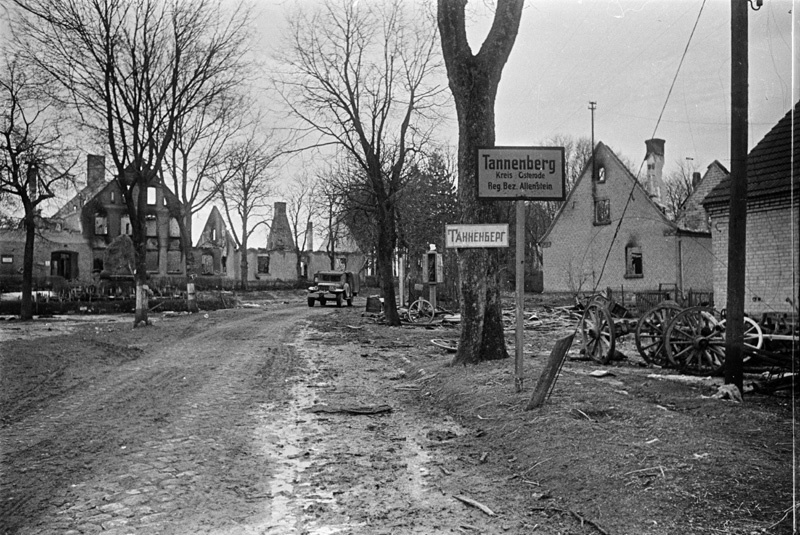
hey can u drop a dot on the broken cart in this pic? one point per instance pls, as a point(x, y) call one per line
point(668, 335)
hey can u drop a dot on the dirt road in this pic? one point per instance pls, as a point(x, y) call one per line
point(159, 437)
point(280, 419)
point(199, 424)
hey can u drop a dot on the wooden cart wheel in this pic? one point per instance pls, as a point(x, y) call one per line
point(753, 335)
point(650, 331)
point(695, 341)
point(597, 333)
point(420, 311)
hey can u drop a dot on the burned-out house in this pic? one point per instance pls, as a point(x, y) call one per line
point(612, 231)
point(214, 254)
point(279, 261)
point(771, 248)
point(72, 244)
point(99, 213)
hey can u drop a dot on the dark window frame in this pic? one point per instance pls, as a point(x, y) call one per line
point(598, 219)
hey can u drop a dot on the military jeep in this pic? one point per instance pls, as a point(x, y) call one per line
point(339, 286)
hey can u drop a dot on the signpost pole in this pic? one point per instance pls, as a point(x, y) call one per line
point(520, 284)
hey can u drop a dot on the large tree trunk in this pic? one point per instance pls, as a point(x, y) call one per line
point(187, 258)
point(26, 307)
point(243, 264)
point(140, 246)
point(384, 259)
point(473, 81)
point(140, 315)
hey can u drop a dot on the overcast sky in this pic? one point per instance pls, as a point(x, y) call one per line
point(624, 55)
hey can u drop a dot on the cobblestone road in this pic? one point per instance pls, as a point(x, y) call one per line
point(164, 442)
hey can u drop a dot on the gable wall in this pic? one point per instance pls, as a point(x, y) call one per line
point(770, 256)
point(693, 215)
point(576, 248)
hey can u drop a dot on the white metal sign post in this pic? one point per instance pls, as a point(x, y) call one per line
point(521, 174)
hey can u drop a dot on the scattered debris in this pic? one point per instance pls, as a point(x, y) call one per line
point(473, 503)
point(577, 517)
point(660, 468)
point(730, 392)
point(449, 345)
point(366, 409)
point(602, 373)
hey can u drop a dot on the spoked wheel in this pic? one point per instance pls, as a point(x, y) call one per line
point(650, 331)
point(597, 333)
point(421, 311)
point(753, 335)
point(695, 341)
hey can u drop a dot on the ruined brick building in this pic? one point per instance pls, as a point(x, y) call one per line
point(612, 232)
point(773, 183)
point(72, 243)
point(70, 248)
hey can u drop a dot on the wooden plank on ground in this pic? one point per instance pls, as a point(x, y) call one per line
point(551, 368)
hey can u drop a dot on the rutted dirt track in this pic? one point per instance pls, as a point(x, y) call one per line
point(199, 424)
point(281, 419)
point(158, 441)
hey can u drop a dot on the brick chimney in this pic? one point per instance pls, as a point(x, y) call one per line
point(280, 234)
point(310, 236)
point(95, 170)
point(32, 177)
point(654, 181)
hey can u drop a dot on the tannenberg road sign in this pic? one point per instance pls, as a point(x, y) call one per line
point(529, 173)
point(475, 236)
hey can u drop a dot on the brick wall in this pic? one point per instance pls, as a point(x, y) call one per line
point(771, 257)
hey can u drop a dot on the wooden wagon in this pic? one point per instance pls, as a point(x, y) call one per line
point(688, 339)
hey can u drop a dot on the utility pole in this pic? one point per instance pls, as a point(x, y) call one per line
point(592, 107)
point(737, 222)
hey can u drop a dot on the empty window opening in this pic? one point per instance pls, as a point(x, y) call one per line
point(633, 261)
point(151, 223)
point(602, 211)
point(174, 263)
point(125, 225)
point(207, 264)
point(100, 225)
point(263, 264)
point(64, 264)
point(151, 196)
point(174, 228)
point(152, 259)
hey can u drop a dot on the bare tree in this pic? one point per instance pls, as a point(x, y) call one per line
point(244, 184)
point(679, 185)
point(330, 205)
point(360, 77)
point(201, 138)
point(428, 202)
point(132, 70)
point(473, 81)
point(33, 160)
point(301, 199)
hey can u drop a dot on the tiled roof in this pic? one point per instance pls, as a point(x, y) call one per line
point(769, 164)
